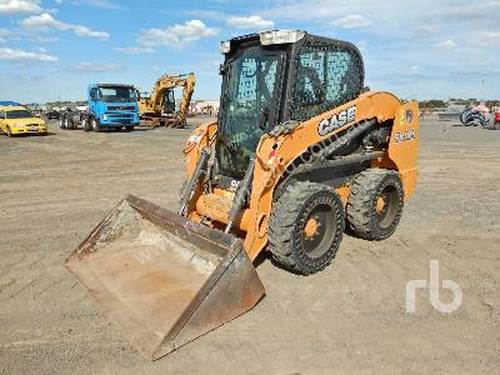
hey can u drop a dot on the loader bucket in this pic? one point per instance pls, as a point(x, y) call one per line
point(165, 280)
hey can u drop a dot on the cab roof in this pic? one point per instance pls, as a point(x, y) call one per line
point(10, 108)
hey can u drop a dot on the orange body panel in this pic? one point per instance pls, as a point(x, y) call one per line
point(275, 154)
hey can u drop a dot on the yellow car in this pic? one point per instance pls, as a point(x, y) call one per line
point(16, 120)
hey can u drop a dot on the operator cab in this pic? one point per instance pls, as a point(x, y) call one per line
point(276, 77)
point(113, 93)
point(169, 102)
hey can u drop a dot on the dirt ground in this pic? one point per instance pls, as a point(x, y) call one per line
point(349, 319)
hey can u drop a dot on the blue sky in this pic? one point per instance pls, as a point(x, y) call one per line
point(51, 49)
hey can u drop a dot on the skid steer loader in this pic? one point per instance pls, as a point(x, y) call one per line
point(301, 153)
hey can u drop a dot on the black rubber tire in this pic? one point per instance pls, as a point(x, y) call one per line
point(61, 123)
point(363, 220)
point(287, 241)
point(86, 125)
point(129, 128)
point(9, 132)
point(94, 124)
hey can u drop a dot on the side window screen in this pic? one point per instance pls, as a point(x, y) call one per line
point(311, 78)
point(327, 76)
point(251, 81)
point(337, 67)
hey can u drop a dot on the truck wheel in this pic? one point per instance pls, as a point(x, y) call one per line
point(306, 227)
point(129, 128)
point(61, 123)
point(86, 125)
point(94, 123)
point(375, 204)
point(9, 132)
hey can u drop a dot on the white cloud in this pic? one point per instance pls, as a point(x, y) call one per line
point(87, 67)
point(249, 22)
point(46, 21)
point(20, 6)
point(135, 50)
point(448, 44)
point(189, 32)
point(353, 21)
point(19, 55)
point(487, 38)
point(103, 4)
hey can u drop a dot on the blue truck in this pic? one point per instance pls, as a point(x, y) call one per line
point(110, 106)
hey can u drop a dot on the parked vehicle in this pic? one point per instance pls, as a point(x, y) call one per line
point(475, 116)
point(301, 151)
point(15, 120)
point(159, 109)
point(110, 106)
point(52, 115)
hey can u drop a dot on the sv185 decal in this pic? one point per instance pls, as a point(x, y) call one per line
point(405, 136)
point(337, 121)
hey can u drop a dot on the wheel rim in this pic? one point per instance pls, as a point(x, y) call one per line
point(318, 231)
point(386, 206)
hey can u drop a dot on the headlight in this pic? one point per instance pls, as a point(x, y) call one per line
point(105, 117)
point(280, 37)
point(19, 125)
point(225, 47)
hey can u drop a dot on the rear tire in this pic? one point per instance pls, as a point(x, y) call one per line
point(306, 227)
point(375, 204)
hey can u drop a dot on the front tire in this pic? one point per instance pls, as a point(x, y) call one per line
point(375, 204)
point(94, 123)
point(306, 227)
point(86, 125)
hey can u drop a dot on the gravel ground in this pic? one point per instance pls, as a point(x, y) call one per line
point(349, 319)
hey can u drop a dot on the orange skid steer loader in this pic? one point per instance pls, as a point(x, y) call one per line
point(301, 153)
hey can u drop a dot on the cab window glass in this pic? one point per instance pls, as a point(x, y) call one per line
point(326, 78)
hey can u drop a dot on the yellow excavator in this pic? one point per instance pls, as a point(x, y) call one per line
point(302, 153)
point(159, 109)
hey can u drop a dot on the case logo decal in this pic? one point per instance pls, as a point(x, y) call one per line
point(337, 121)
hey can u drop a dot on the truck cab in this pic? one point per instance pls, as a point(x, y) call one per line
point(113, 106)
